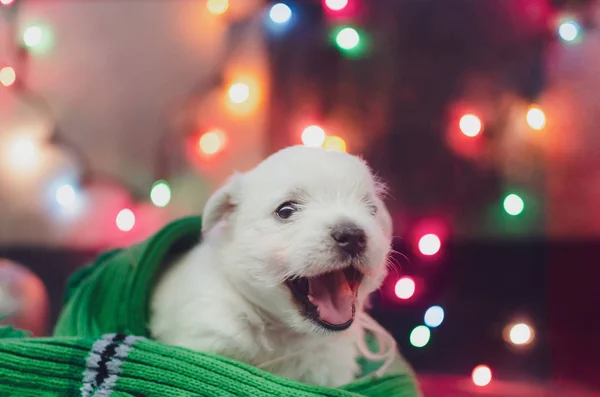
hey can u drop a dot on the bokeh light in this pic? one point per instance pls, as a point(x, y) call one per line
point(23, 152)
point(513, 204)
point(434, 316)
point(336, 5)
point(419, 336)
point(66, 196)
point(482, 375)
point(125, 220)
point(8, 76)
point(405, 288)
point(536, 118)
point(347, 38)
point(335, 143)
point(239, 92)
point(470, 125)
point(160, 195)
point(217, 7)
point(211, 142)
point(6, 2)
point(280, 13)
point(520, 334)
point(314, 136)
point(569, 31)
point(33, 36)
point(429, 244)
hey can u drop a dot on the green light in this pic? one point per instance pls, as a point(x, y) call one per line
point(420, 336)
point(38, 38)
point(513, 204)
point(33, 36)
point(160, 194)
point(349, 40)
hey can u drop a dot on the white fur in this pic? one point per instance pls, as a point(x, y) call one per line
point(226, 296)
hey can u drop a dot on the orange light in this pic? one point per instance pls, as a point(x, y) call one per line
point(314, 136)
point(211, 142)
point(470, 125)
point(536, 118)
point(217, 7)
point(334, 143)
point(238, 92)
point(482, 375)
point(7, 76)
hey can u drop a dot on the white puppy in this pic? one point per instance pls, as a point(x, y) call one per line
point(290, 252)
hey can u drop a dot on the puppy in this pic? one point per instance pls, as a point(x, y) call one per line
point(290, 252)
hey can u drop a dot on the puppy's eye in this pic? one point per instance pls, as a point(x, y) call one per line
point(373, 209)
point(286, 210)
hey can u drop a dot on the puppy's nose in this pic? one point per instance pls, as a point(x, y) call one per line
point(350, 238)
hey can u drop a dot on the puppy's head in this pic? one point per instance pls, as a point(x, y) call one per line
point(305, 235)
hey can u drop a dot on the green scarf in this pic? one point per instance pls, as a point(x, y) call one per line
point(100, 345)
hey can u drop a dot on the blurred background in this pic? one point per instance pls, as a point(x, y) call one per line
point(117, 117)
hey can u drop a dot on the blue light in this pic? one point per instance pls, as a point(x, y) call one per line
point(280, 13)
point(434, 316)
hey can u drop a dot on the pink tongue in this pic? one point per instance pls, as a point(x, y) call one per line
point(333, 296)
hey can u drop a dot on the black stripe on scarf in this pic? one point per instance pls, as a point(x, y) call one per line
point(105, 357)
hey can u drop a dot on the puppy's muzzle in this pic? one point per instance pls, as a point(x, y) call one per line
point(350, 238)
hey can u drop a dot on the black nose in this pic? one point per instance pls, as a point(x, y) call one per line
point(350, 238)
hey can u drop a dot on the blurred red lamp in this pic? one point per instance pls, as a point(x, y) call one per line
point(405, 288)
point(336, 5)
point(430, 244)
point(470, 125)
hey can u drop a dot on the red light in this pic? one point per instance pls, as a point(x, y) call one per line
point(405, 288)
point(7, 2)
point(470, 125)
point(429, 244)
point(482, 375)
point(336, 5)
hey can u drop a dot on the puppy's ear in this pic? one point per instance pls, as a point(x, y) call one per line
point(222, 203)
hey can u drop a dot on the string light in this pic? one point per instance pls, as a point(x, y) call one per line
point(66, 196)
point(482, 375)
point(429, 244)
point(405, 288)
point(211, 142)
point(470, 125)
point(217, 7)
point(160, 195)
point(336, 5)
point(536, 118)
point(334, 143)
point(513, 204)
point(280, 13)
point(420, 336)
point(239, 93)
point(347, 38)
point(8, 76)
point(569, 31)
point(314, 136)
point(125, 220)
point(434, 316)
point(520, 334)
point(23, 152)
point(6, 2)
point(32, 36)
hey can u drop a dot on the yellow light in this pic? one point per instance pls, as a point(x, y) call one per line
point(470, 125)
point(217, 7)
point(314, 136)
point(7, 76)
point(536, 118)
point(482, 375)
point(334, 143)
point(519, 334)
point(239, 92)
point(211, 142)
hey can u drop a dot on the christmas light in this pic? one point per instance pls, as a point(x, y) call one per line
point(470, 125)
point(513, 204)
point(336, 5)
point(482, 375)
point(125, 220)
point(520, 334)
point(238, 93)
point(66, 196)
point(334, 143)
point(23, 152)
point(434, 316)
point(160, 195)
point(405, 288)
point(536, 118)
point(211, 142)
point(7, 76)
point(429, 244)
point(33, 36)
point(347, 38)
point(569, 31)
point(217, 7)
point(280, 13)
point(314, 136)
point(6, 2)
point(419, 336)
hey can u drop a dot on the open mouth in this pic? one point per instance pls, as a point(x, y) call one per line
point(328, 299)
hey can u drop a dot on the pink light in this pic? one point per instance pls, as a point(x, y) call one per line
point(482, 375)
point(7, 2)
point(336, 5)
point(125, 220)
point(405, 288)
point(429, 244)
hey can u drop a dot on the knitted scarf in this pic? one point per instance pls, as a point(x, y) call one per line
point(101, 345)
